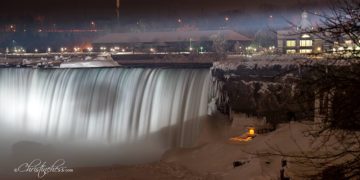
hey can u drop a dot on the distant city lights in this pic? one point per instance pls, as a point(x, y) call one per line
point(102, 48)
point(271, 48)
point(76, 49)
point(12, 28)
point(19, 50)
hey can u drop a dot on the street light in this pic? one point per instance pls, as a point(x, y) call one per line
point(190, 47)
point(12, 28)
point(7, 52)
point(226, 22)
point(49, 50)
point(251, 132)
point(93, 25)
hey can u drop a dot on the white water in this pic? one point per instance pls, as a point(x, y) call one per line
point(103, 107)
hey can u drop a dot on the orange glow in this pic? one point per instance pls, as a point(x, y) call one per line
point(251, 131)
point(248, 136)
point(241, 139)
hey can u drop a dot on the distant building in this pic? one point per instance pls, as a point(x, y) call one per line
point(172, 41)
point(294, 40)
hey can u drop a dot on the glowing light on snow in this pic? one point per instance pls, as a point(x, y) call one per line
point(241, 139)
point(249, 135)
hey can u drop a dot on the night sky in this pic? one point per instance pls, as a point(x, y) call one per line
point(101, 9)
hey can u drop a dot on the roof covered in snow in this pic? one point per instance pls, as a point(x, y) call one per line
point(170, 36)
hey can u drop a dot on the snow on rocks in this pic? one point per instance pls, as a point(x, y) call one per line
point(259, 62)
point(233, 62)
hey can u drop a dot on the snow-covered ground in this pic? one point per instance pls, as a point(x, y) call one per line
point(104, 60)
point(213, 156)
point(232, 62)
point(216, 157)
point(90, 63)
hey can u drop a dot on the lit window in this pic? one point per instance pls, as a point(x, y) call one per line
point(306, 43)
point(290, 51)
point(305, 36)
point(291, 43)
point(305, 51)
point(348, 41)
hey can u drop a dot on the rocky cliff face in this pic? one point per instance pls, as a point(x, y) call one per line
point(261, 88)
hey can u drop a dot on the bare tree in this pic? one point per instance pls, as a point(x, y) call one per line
point(333, 85)
point(219, 46)
point(341, 24)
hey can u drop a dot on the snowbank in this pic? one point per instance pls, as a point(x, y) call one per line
point(284, 61)
point(85, 64)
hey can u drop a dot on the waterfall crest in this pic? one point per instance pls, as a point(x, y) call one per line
point(112, 105)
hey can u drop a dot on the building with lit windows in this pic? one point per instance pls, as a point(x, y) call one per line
point(293, 40)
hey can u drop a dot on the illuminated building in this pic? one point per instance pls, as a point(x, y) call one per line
point(295, 40)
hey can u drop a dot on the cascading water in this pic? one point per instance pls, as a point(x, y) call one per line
point(103, 106)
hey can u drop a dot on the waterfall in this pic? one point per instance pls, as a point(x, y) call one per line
point(107, 105)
